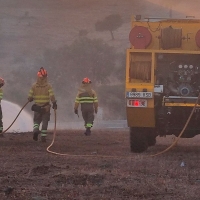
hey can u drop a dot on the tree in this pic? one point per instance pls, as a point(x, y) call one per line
point(70, 64)
point(110, 23)
point(66, 67)
point(92, 58)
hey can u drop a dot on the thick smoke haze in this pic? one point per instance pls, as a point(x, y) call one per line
point(23, 123)
point(35, 33)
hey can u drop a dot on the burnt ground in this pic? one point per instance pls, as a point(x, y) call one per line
point(97, 167)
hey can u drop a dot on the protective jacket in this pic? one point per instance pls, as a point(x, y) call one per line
point(42, 92)
point(86, 97)
point(89, 104)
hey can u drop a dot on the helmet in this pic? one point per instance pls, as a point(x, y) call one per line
point(42, 72)
point(86, 80)
point(1, 82)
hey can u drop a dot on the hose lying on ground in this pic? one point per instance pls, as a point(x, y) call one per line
point(54, 135)
point(159, 153)
point(72, 155)
point(181, 133)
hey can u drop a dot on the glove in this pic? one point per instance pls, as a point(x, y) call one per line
point(30, 99)
point(54, 105)
point(76, 111)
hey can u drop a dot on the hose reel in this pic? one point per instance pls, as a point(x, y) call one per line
point(171, 38)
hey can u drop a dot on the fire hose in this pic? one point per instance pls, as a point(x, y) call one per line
point(16, 117)
point(65, 154)
point(159, 153)
point(54, 134)
point(181, 133)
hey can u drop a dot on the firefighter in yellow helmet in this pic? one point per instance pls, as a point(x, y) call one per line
point(1, 96)
point(89, 104)
point(42, 93)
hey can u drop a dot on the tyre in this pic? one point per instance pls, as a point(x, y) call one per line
point(151, 140)
point(138, 140)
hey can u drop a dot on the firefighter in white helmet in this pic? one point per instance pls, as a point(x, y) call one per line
point(42, 93)
point(89, 104)
point(1, 96)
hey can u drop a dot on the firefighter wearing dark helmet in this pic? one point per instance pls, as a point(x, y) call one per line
point(89, 104)
point(1, 96)
point(42, 93)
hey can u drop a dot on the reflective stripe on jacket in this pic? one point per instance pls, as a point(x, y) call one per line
point(85, 98)
point(42, 94)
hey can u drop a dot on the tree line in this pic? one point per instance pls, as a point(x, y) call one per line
point(68, 65)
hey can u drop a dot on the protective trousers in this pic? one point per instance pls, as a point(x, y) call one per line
point(41, 118)
point(88, 115)
point(1, 122)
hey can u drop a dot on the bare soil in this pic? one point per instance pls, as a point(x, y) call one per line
point(98, 167)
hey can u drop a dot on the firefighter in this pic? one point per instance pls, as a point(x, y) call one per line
point(42, 93)
point(89, 104)
point(1, 116)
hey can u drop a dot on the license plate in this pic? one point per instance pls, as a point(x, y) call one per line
point(140, 103)
point(139, 94)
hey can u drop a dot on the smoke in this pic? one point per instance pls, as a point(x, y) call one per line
point(23, 123)
point(30, 28)
point(178, 9)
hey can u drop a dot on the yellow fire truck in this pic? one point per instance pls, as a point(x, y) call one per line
point(162, 79)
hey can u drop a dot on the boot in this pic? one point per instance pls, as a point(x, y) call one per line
point(35, 135)
point(88, 132)
point(1, 134)
point(43, 138)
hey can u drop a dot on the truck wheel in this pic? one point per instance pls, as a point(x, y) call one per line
point(138, 140)
point(151, 140)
